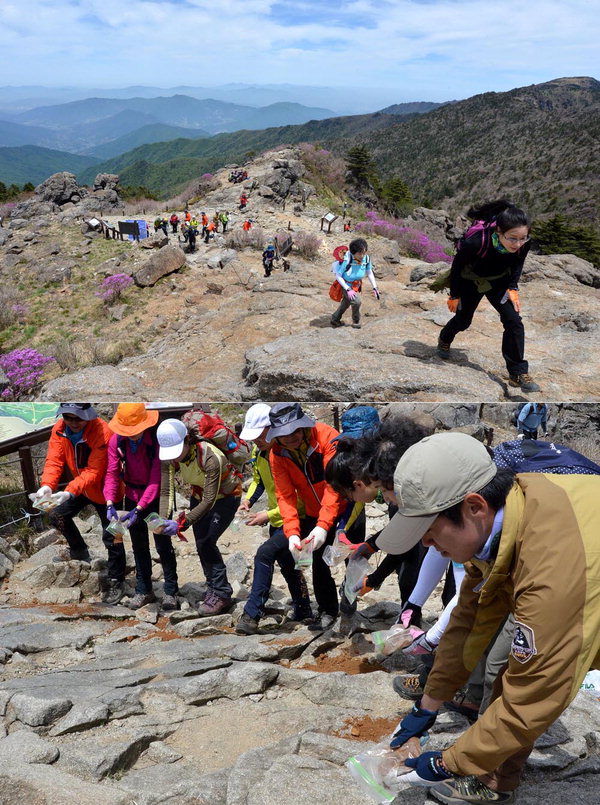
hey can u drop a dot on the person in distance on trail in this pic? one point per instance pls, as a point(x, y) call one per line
point(488, 262)
point(531, 417)
point(174, 221)
point(350, 273)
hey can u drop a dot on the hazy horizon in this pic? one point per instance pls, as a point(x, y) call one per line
point(416, 50)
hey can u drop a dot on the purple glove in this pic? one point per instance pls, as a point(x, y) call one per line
point(171, 528)
point(111, 512)
point(351, 294)
point(130, 518)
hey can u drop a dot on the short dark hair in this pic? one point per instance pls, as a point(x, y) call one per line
point(373, 456)
point(358, 245)
point(494, 492)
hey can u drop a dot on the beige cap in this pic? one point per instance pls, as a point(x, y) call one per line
point(433, 475)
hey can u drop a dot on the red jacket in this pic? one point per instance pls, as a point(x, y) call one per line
point(87, 461)
point(306, 482)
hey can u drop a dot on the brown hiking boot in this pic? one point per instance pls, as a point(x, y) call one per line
point(213, 604)
point(246, 625)
point(524, 382)
point(443, 349)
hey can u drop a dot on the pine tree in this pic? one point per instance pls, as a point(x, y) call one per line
point(360, 165)
point(397, 196)
point(558, 235)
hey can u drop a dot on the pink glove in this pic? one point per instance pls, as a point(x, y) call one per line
point(351, 294)
point(376, 293)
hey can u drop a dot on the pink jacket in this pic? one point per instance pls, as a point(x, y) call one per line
point(142, 470)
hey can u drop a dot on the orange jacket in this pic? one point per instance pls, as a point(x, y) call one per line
point(307, 482)
point(87, 462)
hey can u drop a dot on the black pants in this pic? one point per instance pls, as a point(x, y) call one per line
point(323, 583)
point(513, 338)
point(207, 531)
point(274, 549)
point(141, 552)
point(62, 519)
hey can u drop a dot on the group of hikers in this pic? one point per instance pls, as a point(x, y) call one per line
point(488, 262)
point(514, 527)
point(192, 225)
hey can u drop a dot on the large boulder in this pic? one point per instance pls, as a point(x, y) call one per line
point(163, 262)
point(106, 181)
point(60, 188)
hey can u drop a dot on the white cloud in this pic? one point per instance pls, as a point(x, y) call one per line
point(432, 50)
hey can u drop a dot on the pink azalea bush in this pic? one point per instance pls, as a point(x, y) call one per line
point(24, 369)
point(111, 288)
point(411, 241)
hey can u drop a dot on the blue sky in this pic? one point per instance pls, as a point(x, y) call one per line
point(425, 49)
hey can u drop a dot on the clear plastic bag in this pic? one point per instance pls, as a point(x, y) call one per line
point(336, 553)
point(388, 641)
point(304, 557)
point(379, 771)
point(43, 504)
point(118, 530)
point(355, 572)
point(155, 522)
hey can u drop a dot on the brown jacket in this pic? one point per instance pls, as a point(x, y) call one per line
point(547, 573)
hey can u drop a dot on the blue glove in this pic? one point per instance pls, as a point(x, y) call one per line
point(130, 518)
point(428, 769)
point(111, 513)
point(417, 722)
point(171, 528)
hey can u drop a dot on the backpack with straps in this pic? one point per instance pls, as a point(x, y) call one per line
point(121, 452)
point(486, 228)
point(211, 428)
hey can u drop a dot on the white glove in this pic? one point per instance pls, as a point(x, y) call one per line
point(295, 545)
point(317, 536)
point(62, 497)
point(43, 492)
point(520, 435)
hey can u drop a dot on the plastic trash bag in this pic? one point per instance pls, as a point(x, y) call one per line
point(355, 573)
point(43, 504)
point(379, 771)
point(335, 553)
point(304, 557)
point(155, 522)
point(388, 641)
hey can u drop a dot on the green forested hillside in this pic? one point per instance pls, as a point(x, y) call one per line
point(31, 163)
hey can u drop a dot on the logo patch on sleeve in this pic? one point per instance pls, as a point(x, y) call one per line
point(523, 643)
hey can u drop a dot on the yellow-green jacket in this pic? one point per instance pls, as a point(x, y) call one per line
point(262, 476)
point(547, 573)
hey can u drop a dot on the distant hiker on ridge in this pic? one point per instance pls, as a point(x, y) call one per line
point(349, 272)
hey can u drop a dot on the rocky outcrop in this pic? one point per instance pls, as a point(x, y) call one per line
point(163, 262)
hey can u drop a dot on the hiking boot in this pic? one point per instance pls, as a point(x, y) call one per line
point(443, 349)
point(302, 613)
point(462, 790)
point(470, 710)
point(140, 600)
point(524, 382)
point(246, 625)
point(67, 555)
point(322, 622)
point(336, 323)
point(213, 604)
point(169, 602)
point(114, 592)
point(409, 686)
point(356, 325)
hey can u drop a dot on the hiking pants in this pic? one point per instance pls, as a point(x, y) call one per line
point(323, 584)
point(141, 552)
point(274, 549)
point(345, 304)
point(513, 338)
point(207, 531)
point(62, 519)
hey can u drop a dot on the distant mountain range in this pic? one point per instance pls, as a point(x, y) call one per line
point(539, 145)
